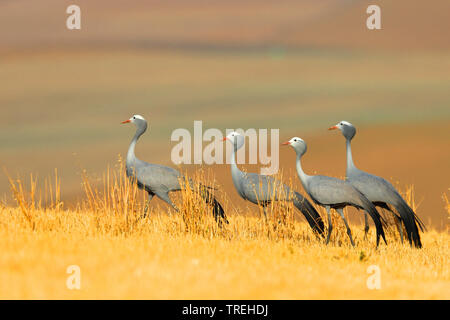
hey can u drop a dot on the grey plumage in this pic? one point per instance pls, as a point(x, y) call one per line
point(160, 180)
point(334, 193)
point(262, 189)
point(379, 191)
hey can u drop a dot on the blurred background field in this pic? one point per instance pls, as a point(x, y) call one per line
point(300, 66)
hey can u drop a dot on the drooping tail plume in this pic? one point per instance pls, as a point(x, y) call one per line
point(409, 219)
point(310, 213)
point(218, 212)
point(376, 217)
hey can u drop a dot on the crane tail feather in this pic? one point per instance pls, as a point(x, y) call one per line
point(376, 217)
point(312, 216)
point(409, 219)
point(218, 211)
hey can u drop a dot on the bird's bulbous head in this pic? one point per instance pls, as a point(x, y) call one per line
point(236, 139)
point(138, 121)
point(346, 128)
point(298, 144)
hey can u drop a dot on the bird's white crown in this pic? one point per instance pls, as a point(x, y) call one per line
point(296, 140)
point(137, 116)
point(346, 123)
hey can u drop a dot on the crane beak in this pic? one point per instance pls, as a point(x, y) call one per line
point(286, 143)
point(224, 139)
point(126, 121)
point(332, 128)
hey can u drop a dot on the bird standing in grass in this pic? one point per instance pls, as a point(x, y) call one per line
point(160, 180)
point(334, 193)
point(262, 190)
point(379, 191)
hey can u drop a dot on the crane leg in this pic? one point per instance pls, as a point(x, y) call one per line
point(330, 226)
point(265, 212)
point(366, 225)
point(398, 221)
point(165, 197)
point(349, 232)
point(144, 215)
point(150, 197)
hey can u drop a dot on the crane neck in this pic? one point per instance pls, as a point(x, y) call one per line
point(131, 156)
point(233, 163)
point(350, 164)
point(301, 174)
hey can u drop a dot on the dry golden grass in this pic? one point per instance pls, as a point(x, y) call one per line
point(187, 256)
point(447, 204)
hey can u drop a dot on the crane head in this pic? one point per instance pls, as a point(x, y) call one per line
point(236, 139)
point(133, 119)
point(298, 144)
point(347, 129)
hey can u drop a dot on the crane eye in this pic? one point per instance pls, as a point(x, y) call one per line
point(134, 117)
